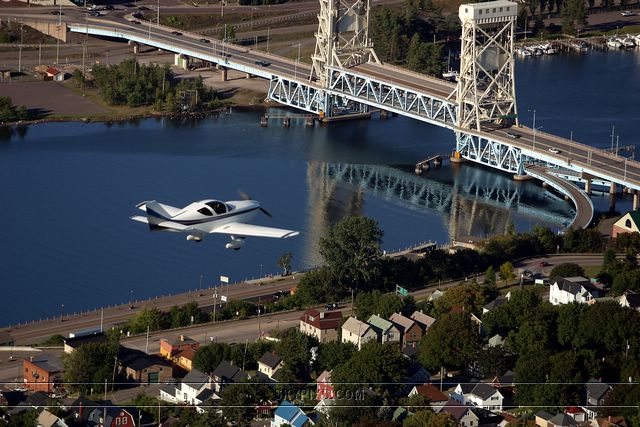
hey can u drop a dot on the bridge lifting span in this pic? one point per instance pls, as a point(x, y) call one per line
point(347, 74)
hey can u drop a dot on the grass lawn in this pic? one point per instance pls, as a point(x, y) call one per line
point(592, 270)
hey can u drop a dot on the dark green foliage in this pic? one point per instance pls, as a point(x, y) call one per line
point(375, 302)
point(522, 307)
point(208, 357)
point(579, 240)
point(189, 417)
point(628, 241)
point(295, 350)
point(470, 297)
point(89, 366)
point(492, 361)
point(573, 15)
point(23, 419)
point(150, 318)
point(626, 281)
point(428, 418)
point(11, 113)
point(567, 269)
point(54, 340)
point(332, 354)
point(186, 315)
point(318, 286)
point(378, 366)
point(451, 342)
point(351, 251)
point(239, 400)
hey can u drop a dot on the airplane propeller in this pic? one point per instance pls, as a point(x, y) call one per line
point(245, 196)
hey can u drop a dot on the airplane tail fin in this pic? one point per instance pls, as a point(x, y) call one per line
point(156, 214)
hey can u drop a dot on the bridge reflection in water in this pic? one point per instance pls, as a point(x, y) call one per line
point(471, 201)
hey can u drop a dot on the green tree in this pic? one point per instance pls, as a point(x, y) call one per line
point(490, 277)
point(470, 297)
point(78, 77)
point(451, 342)
point(332, 354)
point(573, 16)
point(208, 357)
point(8, 111)
point(89, 366)
point(318, 286)
point(506, 272)
point(626, 281)
point(492, 361)
point(284, 262)
point(429, 418)
point(151, 318)
point(295, 350)
point(351, 250)
point(567, 269)
point(240, 400)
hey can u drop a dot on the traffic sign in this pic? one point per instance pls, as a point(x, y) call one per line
point(402, 291)
point(224, 279)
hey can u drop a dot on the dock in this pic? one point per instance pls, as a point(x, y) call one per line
point(425, 164)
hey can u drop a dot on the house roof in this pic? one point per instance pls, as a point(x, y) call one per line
point(405, 322)
point(632, 299)
point(180, 340)
point(291, 413)
point(484, 391)
point(423, 319)
point(227, 371)
point(356, 326)
point(145, 361)
point(195, 379)
point(76, 342)
point(379, 323)
point(53, 71)
point(563, 420)
point(612, 421)
point(114, 411)
point(204, 394)
point(431, 392)
point(49, 364)
point(188, 353)
point(544, 415)
point(324, 377)
point(573, 285)
point(456, 409)
point(47, 419)
point(322, 320)
point(271, 359)
point(633, 215)
point(596, 389)
point(500, 300)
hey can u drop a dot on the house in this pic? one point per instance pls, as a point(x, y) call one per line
point(571, 289)
point(562, 420)
point(386, 331)
point(145, 368)
point(324, 407)
point(597, 392)
point(630, 300)
point(628, 223)
point(71, 344)
point(437, 399)
point(184, 359)
point(409, 328)
point(269, 363)
point(424, 321)
point(578, 414)
point(435, 295)
point(504, 381)
point(227, 373)
point(112, 416)
point(47, 419)
point(289, 414)
point(321, 325)
point(478, 322)
point(357, 332)
point(80, 408)
point(462, 414)
point(496, 341)
point(42, 373)
point(194, 389)
point(6, 339)
point(481, 395)
point(610, 421)
point(325, 387)
point(542, 418)
point(500, 300)
point(55, 74)
point(170, 348)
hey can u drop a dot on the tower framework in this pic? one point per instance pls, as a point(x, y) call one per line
point(486, 89)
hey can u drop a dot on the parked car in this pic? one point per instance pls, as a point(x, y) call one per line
point(331, 306)
point(627, 13)
point(544, 264)
point(133, 21)
point(176, 33)
point(513, 135)
point(554, 150)
point(204, 40)
point(56, 12)
point(263, 63)
point(94, 13)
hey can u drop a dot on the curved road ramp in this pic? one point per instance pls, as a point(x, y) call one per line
point(581, 200)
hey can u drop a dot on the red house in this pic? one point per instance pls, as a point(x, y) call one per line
point(114, 416)
point(42, 373)
point(325, 388)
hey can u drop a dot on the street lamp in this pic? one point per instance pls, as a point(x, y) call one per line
point(295, 70)
point(534, 128)
point(62, 312)
point(131, 298)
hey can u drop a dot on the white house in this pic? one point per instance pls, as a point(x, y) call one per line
point(571, 289)
point(269, 363)
point(357, 332)
point(630, 300)
point(194, 389)
point(480, 394)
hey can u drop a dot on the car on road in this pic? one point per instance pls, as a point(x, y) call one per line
point(133, 21)
point(108, 7)
point(56, 12)
point(513, 135)
point(527, 273)
point(554, 150)
point(136, 15)
point(544, 264)
point(263, 63)
point(204, 40)
point(143, 8)
point(176, 33)
point(21, 388)
point(627, 13)
point(94, 13)
point(331, 306)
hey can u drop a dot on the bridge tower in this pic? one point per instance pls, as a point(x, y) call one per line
point(342, 39)
point(486, 89)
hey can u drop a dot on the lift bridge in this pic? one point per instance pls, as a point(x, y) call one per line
point(346, 74)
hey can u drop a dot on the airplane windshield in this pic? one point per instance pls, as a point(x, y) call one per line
point(218, 207)
point(205, 211)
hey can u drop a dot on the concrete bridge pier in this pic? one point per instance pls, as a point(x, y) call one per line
point(587, 186)
point(248, 75)
point(181, 61)
point(636, 200)
point(614, 188)
point(223, 74)
point(136, 47)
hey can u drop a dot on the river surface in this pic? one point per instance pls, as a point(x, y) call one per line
point(68, 189)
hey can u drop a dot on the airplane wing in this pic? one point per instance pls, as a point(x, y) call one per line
point(162, 224)
point(240, 229)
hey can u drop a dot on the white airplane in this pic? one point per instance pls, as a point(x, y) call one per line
point(210, 216)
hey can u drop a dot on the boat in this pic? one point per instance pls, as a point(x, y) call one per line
point(627, 42)
point(614, 43)
point(521, 51)
point(450, 74)
point(548, 49)
point(580, 46)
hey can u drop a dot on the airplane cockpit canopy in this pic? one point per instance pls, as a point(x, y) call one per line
point(217, 206)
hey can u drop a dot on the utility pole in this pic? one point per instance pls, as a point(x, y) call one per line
point(268, 28)
point(146, 349)
point(20, 50)
point(613, 134)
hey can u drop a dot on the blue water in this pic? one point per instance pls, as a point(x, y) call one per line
point(69, 188)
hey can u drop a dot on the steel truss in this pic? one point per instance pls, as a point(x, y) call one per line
point(495, 154)
point(387, 96)
point(298, 94)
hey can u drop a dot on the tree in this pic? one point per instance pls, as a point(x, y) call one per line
point(492, 361)
point(151, 318)
point(429, 418)
point(78, 77)
point(470, 297)
point(228, 33)
point(284, 262)
point(88, 366)
point(567, 269)
point(573, 16)
point(332, 354)
point(240, 400)
point(506, 272)
point(351, 250)
point(450, 342)
point(8, 112)
point(490, 277)
point(318, 286)
point(295, 350)
point(208, 357)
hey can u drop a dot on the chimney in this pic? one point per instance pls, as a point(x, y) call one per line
point(80, 411)
point(322, 315)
